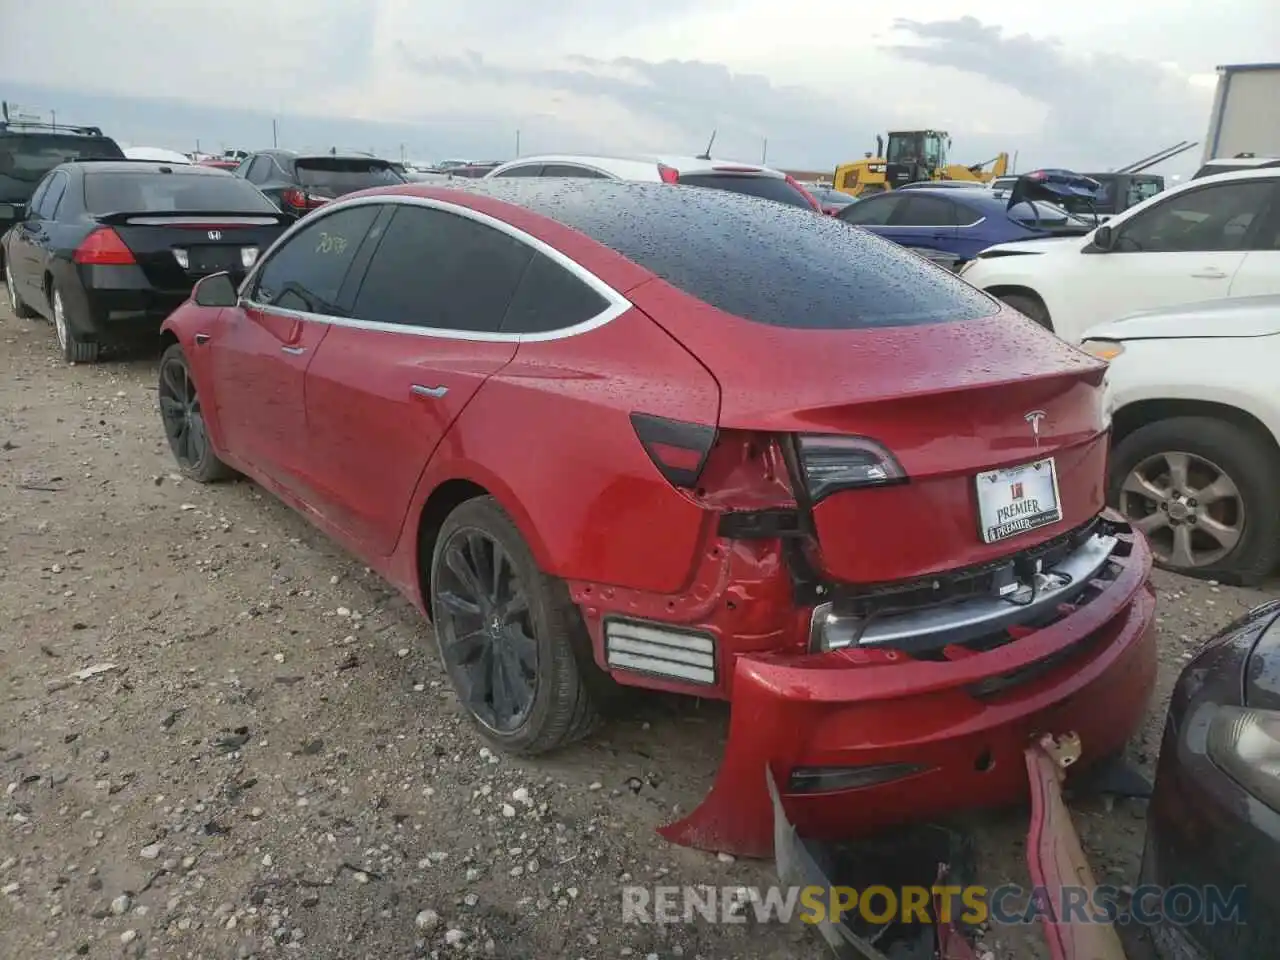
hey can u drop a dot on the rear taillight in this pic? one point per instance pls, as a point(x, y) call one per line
point(678, 449)
point(103, 247)
point(668, 174)
point(295, 198)
point(831, 463)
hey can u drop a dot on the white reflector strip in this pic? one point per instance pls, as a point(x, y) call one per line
point(655, 650)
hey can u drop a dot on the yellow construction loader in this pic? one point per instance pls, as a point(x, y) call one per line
point(913, 156)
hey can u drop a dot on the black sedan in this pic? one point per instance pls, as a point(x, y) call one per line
point(107, 249)
point(1213, 827)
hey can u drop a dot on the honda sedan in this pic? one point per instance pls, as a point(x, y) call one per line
point(698, 442)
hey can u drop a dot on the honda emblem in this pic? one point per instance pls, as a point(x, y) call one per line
point(215, 234)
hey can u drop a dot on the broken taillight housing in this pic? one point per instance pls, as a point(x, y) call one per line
point(831, 463)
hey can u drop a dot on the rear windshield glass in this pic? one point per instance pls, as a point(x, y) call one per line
point(146, 192)
point(759, 261)
point(334, 177)
point(770, 188)
point(25, 158)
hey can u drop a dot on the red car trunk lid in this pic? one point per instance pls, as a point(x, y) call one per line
point(948, 400)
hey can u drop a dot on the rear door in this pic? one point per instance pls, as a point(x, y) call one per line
point(424, 336)
point(185, 224)
point(262, 347)
point(37, 236)
point(1260, 272)
point(1185, 249)
point(21, 253)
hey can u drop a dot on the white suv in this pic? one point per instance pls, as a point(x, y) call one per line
point(1206, 239)
point(749, 178)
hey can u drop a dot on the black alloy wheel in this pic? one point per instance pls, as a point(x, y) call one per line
point(485, 630)
point(184, 423)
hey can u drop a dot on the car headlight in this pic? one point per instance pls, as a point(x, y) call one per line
point(1103, 349)
point(1245, 743)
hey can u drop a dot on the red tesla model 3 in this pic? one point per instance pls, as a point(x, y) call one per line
point(701, 443)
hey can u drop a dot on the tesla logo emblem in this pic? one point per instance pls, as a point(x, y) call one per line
point(1034, 418)
point(215, 234)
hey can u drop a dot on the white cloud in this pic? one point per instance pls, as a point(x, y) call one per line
point(1110, 82)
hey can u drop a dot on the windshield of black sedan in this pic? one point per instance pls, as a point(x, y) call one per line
point(154, 192)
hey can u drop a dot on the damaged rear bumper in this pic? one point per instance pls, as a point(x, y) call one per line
point(860, 739)
point(1055, 860)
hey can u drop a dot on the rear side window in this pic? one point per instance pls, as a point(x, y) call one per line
point(47, 209)
point(569, 170)
point(334, 176)
point(146, 192)
point(550, 298)
point(441, 271)
point(307, 271)
point(768, 188)
point(787, 268)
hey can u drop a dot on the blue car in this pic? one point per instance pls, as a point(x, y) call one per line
point(951, 226)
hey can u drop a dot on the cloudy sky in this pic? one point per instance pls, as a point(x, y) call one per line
point(1092, 84)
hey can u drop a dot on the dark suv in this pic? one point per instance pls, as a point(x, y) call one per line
point(30, 150)
point(299, 182)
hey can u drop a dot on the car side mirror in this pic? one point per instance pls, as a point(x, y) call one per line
point(215, 290)
point(1103, 238)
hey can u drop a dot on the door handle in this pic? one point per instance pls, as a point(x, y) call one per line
point(201, 339)
point(1210, 273)
point(294, 351)
point(434, 392)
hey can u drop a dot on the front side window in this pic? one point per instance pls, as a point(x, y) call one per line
point(526, 170)
point(308, 271)
point(441, 271)
point(1213, 218)
point(873, 212)
point(922, 211)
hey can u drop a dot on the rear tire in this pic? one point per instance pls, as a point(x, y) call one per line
point(1029, 306)
point(1250, 465)
point(560, 709)
point(16, 303)
point(74, 350)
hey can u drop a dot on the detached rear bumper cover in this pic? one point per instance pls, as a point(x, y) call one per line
point(1054, 857)
point(935, 735)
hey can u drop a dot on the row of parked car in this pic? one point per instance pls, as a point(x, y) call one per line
point(767, 441)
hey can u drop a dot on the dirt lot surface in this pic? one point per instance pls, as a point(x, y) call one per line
point(269, 762)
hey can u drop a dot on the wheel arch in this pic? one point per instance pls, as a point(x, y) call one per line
point(445, 495)
point(1133, 415)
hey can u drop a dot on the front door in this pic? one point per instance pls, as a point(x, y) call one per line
point(1183, 250)
point(262, 347)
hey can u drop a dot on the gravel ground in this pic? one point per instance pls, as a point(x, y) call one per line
point(262, 757)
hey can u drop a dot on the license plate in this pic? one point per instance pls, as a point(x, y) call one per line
point(213, 259)
point(1017, 499)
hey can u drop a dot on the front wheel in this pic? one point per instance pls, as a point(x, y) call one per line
point(508, 635)
point(184, 423)
point(1204, 491)
point(1030, 306)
